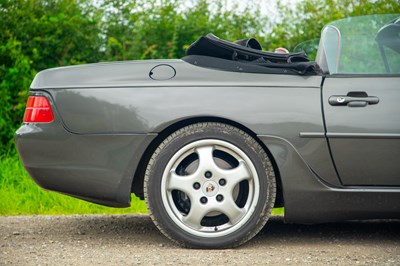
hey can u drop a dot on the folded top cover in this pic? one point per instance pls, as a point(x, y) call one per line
point(249, 51)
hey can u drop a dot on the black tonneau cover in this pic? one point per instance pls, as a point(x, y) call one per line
point(232, 55)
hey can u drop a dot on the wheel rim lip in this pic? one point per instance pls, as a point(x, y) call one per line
point(225, 229)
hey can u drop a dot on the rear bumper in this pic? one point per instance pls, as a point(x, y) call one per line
point(97, 168)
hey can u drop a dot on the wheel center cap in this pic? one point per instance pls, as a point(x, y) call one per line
point(210, 188)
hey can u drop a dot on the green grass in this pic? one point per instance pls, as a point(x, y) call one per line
point(19, 195)
point(278, 211)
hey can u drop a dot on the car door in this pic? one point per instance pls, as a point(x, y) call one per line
point(362, 114)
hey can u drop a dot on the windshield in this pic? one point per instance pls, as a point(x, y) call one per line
point(361, 45)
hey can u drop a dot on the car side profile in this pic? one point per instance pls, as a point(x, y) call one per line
point(214, 141)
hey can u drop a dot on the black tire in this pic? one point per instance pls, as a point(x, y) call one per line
point(209, 185)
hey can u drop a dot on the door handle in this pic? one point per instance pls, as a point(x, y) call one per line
point(353, 99)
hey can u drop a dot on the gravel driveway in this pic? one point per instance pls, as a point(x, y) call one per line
point(133, 240)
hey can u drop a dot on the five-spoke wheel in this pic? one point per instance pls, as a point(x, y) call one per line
point(209, 185)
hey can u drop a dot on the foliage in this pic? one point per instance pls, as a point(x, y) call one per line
point(15, 77)
point(146, 30)
point(37, 35)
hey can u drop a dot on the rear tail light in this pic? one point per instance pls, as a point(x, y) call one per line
point(38, 110)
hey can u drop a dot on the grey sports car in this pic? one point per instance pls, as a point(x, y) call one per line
point(214, 141)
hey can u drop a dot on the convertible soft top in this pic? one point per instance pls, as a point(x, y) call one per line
point(246, 56)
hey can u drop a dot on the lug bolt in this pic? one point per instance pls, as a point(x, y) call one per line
point(203, 200)
point(222, 182)
point(196, 185)
point(208, 174)
point(220, 197)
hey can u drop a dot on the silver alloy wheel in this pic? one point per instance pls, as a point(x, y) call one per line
point(220, 192)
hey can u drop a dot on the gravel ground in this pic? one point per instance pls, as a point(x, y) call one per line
point(134, 240)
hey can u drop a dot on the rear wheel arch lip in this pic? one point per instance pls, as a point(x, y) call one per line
point(169, 128)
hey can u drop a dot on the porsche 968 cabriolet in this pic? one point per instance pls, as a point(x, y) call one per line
point(214, 141)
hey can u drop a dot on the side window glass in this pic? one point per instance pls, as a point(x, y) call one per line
point(362, 45)
point(388, 40)
point(393, 59)
point(363, 57)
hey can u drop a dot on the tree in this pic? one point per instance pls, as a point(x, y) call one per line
point(37, 35)
point(146, 30)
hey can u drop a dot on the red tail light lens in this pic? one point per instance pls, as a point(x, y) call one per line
point(38, 110)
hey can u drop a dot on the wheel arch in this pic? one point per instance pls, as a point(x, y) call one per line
point(167, 129)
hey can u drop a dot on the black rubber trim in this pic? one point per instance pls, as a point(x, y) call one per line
point(326, 130)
